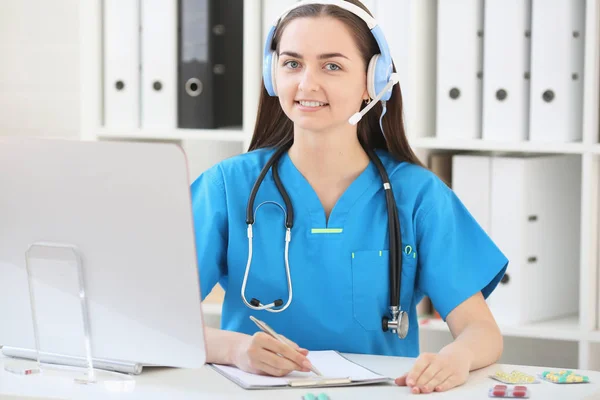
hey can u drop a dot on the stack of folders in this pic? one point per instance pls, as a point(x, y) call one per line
point(530, 207)
point(172, 64)
point(510, 70)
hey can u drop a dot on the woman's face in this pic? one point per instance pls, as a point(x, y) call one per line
point(321, 78)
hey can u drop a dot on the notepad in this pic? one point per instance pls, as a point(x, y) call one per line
point(336, 369)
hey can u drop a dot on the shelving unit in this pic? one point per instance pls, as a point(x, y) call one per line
point(225, 134)
point(432, 143)
point(566, 328)
point(581, 331)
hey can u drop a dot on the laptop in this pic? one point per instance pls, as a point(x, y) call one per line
point(111, 220)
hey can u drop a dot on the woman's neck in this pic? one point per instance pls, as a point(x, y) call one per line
point(328, 157)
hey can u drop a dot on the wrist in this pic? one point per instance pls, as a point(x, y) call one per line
point(235, 348)
point(458, 350)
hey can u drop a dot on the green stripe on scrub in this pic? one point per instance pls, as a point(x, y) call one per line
point(326, 230)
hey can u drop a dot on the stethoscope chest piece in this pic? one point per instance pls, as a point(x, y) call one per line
point(398, 324)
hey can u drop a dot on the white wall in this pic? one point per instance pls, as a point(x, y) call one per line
point(39, 67)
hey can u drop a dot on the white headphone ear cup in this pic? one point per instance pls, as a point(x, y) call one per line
point(274, 61)
point(371, 76)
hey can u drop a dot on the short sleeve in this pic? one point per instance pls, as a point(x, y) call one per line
point(457, 257)
point(209, 208)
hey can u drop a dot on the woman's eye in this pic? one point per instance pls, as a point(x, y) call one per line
point(334, 67)
point(291, 64)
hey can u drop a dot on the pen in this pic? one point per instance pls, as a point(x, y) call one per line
point(268, 330)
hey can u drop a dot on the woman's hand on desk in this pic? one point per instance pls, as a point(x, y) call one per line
point(436, 372)
point(263, 354)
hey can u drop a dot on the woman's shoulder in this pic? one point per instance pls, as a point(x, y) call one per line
point(406, 173)
point(414, 182)
point(240, 165)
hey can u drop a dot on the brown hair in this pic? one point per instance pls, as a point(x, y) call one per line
point(273, 128)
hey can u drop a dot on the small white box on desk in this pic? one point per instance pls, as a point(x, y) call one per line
point(535, 220)
point(471, 182)
point(459, 68)
point(557, 52)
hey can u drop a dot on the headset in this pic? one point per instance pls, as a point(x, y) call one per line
point(380, 75)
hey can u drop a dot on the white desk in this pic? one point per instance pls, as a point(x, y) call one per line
point(206, 383)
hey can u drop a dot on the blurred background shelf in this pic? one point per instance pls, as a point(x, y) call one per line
point(567, 328)
point(233, 134)
point(433, 143)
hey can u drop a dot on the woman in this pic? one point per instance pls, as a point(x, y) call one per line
point(339, 255)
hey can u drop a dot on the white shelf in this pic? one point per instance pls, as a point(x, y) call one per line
point(558, 329)
point(433, 143)
point(235, 134)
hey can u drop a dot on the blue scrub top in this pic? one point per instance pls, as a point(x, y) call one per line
point(339, 266)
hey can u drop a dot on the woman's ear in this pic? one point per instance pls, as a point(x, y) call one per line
point(366, 96)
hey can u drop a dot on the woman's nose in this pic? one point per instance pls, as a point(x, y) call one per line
point(308, 81)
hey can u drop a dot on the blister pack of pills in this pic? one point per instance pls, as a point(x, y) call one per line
point(515, 392)
point(564, 376)
point(514, 377)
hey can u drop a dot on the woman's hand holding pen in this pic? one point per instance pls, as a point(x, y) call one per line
point(436, 372)
point(263, 354)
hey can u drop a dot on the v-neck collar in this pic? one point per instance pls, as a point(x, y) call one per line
point(299, 188)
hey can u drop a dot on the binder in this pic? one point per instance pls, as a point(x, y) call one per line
point(210, 54)
point(506, 64)
point(557, 50)
point(121, 64)
point(471, 182)
point(459, 69)
point(159, 64)
point(409, 27)
point(535, 221)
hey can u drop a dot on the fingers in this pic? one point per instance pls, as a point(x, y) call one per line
point(418, 368)
point(277, 347)
point(442, 376)
point(294, 345)
point(275, 358)
point(401, 380)
point(449, 383)
point(282, 363)
point(267, 369)
point(433, 374)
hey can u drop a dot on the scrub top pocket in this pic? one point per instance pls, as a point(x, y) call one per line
point(370, 287)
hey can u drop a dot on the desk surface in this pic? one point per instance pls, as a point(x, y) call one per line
point(206, 383)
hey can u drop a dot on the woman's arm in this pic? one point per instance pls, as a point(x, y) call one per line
point(221, 345)
point(478, 343)
point(476, 333)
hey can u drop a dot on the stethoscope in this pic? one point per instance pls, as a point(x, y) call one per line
point(399, 318)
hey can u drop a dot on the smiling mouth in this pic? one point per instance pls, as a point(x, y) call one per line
point(311, 104)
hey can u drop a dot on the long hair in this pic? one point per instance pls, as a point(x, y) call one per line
point(273, 128)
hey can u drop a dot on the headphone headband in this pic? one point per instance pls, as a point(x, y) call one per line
point(354, 9)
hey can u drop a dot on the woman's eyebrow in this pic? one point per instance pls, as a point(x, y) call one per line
point(320, 57)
